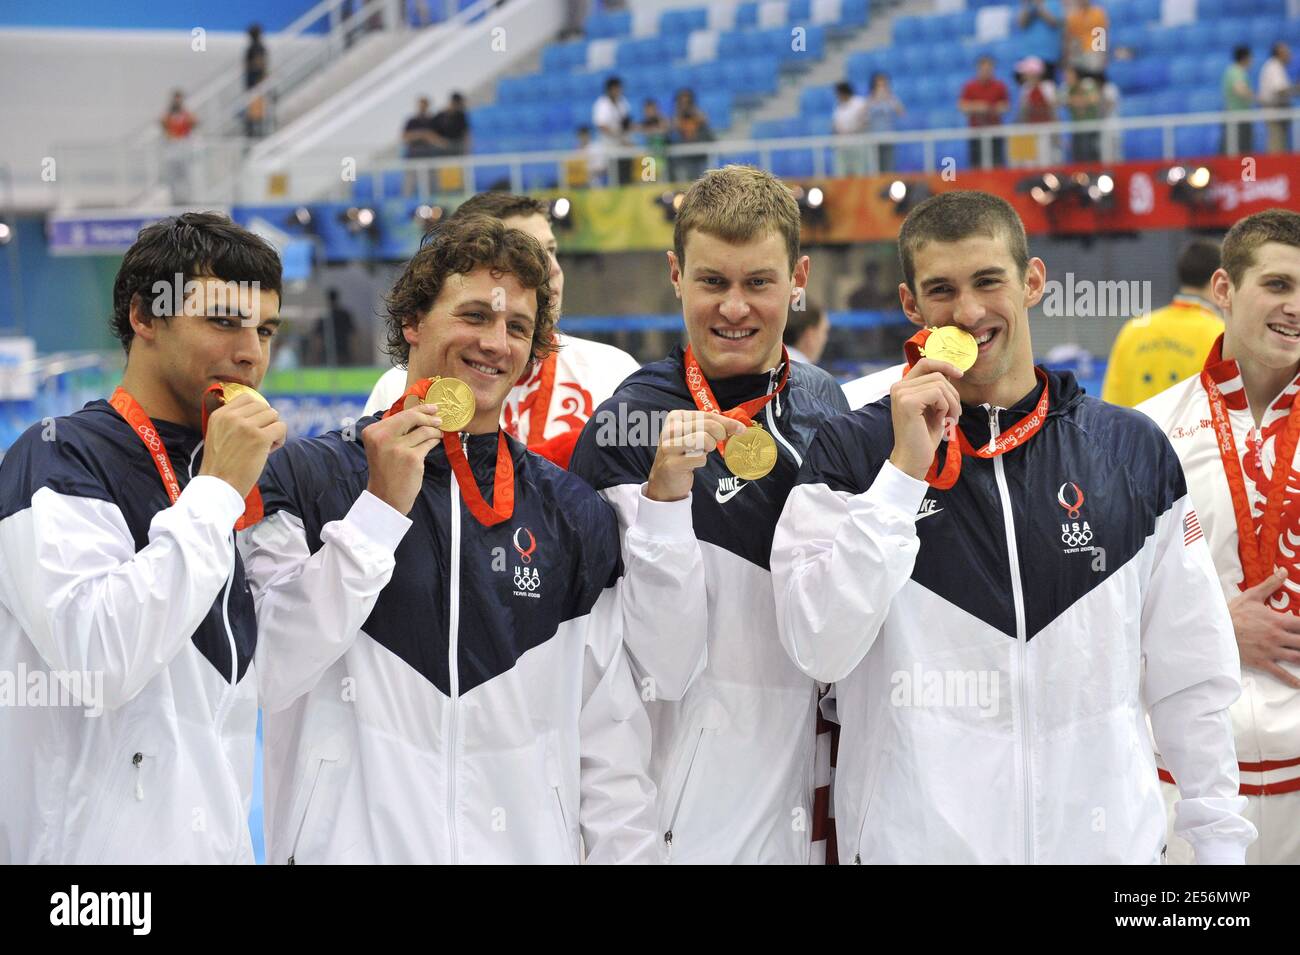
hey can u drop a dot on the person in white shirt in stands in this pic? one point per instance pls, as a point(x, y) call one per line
point(611, 116)
point(548, 407)
point(1247, 394)
point(850, 119)
point(1275, 92)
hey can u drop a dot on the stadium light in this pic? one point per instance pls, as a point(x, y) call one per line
point(1044, 189)
point(904, 195)
point(812, 204)
point(6, 233)
point(359, 219)
point(428, 215)
point(562, 213)
point(1189, 186)
point(670, 202)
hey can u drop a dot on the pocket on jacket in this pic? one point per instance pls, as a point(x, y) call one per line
point(310, 796)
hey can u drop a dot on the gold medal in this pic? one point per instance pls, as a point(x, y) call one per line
point(953, 345)
point(455, 401)
point(751, 454)
point(230, 390)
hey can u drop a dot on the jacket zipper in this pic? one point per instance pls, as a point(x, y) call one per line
point(681, 795)
point(565, 839)
point(228, 694)
point(771, 422)
point(452, 668)
point(302, 820)
point(136, 760)
point(1022, 639)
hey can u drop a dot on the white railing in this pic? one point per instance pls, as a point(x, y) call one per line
point(206, 171)
point(1050, 137)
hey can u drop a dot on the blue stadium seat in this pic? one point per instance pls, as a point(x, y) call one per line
point(1183, 71)
point(816, 126)
point(1147, 10)
point(363, 190)
point(1200, 36)
point(1263, 33)
point(602, 25)
point(393, 183)
point(684, 21)
point(1197, 141)
point(1232, 33)
point(1142, 144)
point(854, 13)
point(908, 157)
point(799, 11)
point(747, 15)
point(540, 176)
point(792, 163)
point(490, 177)
point(1205, 101)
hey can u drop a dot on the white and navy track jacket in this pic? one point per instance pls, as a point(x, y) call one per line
point(996, 647)
point(134, 615)
point(1266, 719)
point(734, 721)
point(479, 708)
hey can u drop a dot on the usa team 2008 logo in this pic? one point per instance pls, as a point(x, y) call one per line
point(528, 579)
point(1076, 534)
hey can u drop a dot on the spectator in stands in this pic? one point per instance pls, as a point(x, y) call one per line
point(1110, 142)
point(420, 140)
point(1037, 105)
point(1083, 99)
point(1038, 27)
point(689, 125)
point(1153, 352)
point(806, 332)
point(984, 100)
point(1237, 95)
point(611, 118)
point(177, 123)
point(850, 118)
point(451, 126)
point(593, 155)
point(1275, 92)
point(341, 333)
point(654, 127)
point(1087, 39)
point(575, 15)
point(883, 108)
point(256, 65)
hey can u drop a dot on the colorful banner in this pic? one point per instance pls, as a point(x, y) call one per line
point(633, 219)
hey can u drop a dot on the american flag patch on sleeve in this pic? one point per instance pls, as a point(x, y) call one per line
point(1191, 529)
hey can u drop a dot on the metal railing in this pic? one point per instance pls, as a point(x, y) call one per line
point(1050, 140)
point(203, 170)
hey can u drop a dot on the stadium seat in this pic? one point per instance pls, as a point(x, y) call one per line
point(1143, 144)
point(792, 163)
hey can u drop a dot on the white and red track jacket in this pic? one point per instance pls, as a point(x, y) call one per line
point(1266, 719)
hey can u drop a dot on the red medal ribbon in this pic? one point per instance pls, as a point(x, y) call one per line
point(702, 394)
point(540, 412)
point(1257, 543)
point(1023, 430)
point(503, 485)
point(125, 405)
